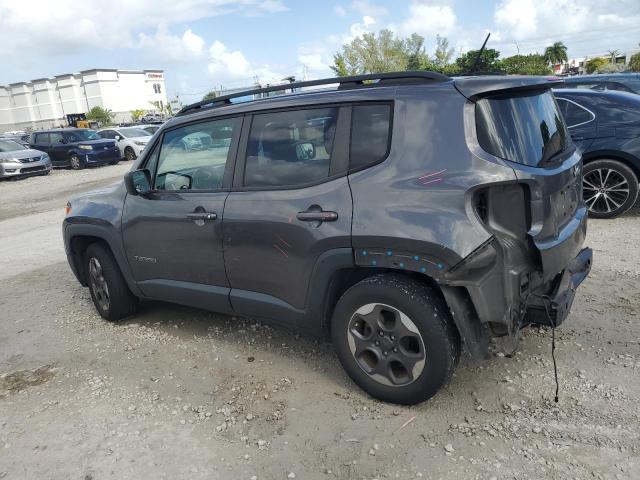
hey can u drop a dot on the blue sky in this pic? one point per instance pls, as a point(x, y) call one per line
point(205, 43)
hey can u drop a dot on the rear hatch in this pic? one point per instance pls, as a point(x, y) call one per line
point(521, 123)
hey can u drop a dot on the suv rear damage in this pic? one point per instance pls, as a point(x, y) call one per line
point(403, 215)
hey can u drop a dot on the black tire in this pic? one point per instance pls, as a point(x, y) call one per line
point(426, 310)
point(609, 187)
point(75, 162)
point(114, 162)
point(129, 154)
point(120, 302)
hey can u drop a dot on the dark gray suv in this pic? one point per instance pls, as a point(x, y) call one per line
point(405, 216)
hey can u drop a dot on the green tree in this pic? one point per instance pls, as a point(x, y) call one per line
point(417, 58)
point(210, 95)
point(443, 53)
point(137, 114)
point(592, 65)
point(556, 53)
point(104, 116)
point(613, 54)
point(488, 61)
point(532, 64)
point(634, 62)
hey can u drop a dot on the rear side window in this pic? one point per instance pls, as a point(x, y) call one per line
point(527, 128)
point(42, 138)
point(291, 148)
point(574, 114)
point(370, 135)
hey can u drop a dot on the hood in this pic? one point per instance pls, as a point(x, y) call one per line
point(144, 139)
point(28, 153)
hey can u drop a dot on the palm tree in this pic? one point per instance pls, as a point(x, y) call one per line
point(613, 54)
point(556, 53)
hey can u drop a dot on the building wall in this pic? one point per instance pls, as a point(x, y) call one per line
point(45, 102)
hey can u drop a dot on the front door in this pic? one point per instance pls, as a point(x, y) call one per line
point(173, 236)
point(290, 205)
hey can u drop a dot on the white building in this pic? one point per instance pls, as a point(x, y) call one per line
point(45, 102)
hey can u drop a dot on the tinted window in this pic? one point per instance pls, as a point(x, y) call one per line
point(194, 157)
point(107, 134)
point(81, 135)
point(41, 138)
point(290, 148)
point(55, 138)
point(369, 134)
point(526, 128)
point(574, 114)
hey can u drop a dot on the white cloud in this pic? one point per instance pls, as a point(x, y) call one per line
point(427, 20)
point(339, 10)
point(366, 8)
point(172, 48)
point(226, 65)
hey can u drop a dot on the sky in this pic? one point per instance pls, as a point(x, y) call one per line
point(205, 44)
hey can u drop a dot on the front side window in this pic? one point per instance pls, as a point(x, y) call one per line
point(82, 135)
point(194, 157)
point(526, 128)
point(290, 148)
point(370, 134)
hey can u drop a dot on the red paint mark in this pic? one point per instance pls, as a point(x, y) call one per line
point(283, 241)
point(281, 251)
point(432, 174)
point(436, 180)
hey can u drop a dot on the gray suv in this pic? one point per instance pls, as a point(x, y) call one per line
point(406, 216)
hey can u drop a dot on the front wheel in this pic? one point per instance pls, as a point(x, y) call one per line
point(76, 162)
point(129, 154)
point(395, 338)
point(609, 187)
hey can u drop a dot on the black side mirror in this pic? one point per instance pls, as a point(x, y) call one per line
point(138, 182)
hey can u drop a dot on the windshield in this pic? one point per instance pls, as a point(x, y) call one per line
point(527, 128)
point(80, 135)
point(10, 146)
point(133, 132)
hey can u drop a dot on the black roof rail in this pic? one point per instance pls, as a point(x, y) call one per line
point(344, 83)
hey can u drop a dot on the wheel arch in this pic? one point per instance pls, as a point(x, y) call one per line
point(623, 157)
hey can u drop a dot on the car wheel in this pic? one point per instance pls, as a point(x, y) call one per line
point(129, 154)
point(109, 291)
point(76, 162)
point(115, 162)
point(609, 187)
point(395, 338)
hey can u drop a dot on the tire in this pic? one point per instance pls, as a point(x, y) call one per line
point(416, 358)
point(609, 187)
point(114, 162)
point(76, 162)
point(109, 291)
point(129, 154)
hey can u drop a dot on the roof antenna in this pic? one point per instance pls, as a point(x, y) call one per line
point(475, 62)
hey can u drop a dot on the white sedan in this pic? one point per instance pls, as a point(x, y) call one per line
point(130, 140)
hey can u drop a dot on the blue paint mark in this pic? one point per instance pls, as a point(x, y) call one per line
point(422, 269)
point(416, 257)
point(364, 253)
point(401, 265)
point(440, 266)
point(373, 262)
point(389, 253)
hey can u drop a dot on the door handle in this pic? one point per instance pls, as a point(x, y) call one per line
point(201, 216)
point(320, 216)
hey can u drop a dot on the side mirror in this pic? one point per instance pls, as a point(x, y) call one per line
point(138, 182)
point(305, 151)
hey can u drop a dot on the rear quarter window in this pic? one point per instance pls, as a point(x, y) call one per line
point(370, 135)
point(526, 128)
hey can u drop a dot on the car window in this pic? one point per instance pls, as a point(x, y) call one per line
point(133, 132)
point(55, 138)
point(194, 157)
point(41, 138)
point(290, 148)
point(107, 134)
point(369, 134)
point(573, 113)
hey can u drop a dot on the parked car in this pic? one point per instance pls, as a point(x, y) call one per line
point(130, 140)
point(75, 147)
point(606, 127)
point(16, 160)
point(623, 82)
point(151, 129)
point(403, 215)
point(152, 118)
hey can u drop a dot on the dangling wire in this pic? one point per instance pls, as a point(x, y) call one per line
point(552, 322)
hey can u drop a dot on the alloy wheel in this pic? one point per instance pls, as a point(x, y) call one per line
point(130, 154)
point(98, 284)
point(605, 190)
point(386, 344)
point(75, 162)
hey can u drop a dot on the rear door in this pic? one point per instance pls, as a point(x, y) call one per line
point(41, 142)
point(173, 236)
point(58, 148)
point(291, 203)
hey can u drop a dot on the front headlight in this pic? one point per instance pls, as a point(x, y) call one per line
point(9, 160)
point(142, 144)
point(44, 157)
point(85, 147)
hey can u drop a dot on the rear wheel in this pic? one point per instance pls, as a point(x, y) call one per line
point(129, 154)
point(109, 291)
point(610, 188)
point(76, 162)
point(395, 338)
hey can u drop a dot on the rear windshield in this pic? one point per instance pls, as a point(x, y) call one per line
point(526, 128)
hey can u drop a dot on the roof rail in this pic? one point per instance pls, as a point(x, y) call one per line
point(344, 83)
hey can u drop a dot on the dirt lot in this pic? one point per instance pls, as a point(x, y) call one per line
point(178, 393)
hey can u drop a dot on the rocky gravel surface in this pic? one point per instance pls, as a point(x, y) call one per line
point(178, 393)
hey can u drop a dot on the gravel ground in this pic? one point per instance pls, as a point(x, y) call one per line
point(179, 393)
